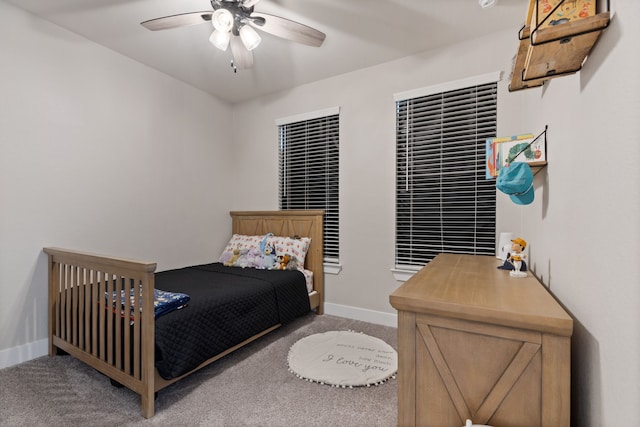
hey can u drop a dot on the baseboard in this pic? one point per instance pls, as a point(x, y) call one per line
point(377, 317)
point(23, 353)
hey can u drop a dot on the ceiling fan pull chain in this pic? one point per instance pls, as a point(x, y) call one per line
point(233, 66)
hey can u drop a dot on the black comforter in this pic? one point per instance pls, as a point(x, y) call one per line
point(227, 306)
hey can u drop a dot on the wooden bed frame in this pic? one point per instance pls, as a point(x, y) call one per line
point(126, 353)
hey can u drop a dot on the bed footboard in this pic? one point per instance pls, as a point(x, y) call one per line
point(85, 322)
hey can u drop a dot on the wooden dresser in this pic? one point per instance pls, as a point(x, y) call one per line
point(475, 343)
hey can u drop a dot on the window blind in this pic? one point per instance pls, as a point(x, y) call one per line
point(308, 168)
point(444, 203)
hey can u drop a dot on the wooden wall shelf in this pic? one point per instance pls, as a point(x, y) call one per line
point(537, 168)
point(546, 52)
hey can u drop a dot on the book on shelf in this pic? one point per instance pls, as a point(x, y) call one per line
point(526, 148)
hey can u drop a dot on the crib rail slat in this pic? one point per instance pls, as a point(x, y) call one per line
point(127, 334)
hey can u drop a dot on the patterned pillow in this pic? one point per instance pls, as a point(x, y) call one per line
point(297, 247)
point(240, 241)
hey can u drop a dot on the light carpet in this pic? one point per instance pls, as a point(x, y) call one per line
point(250, 387)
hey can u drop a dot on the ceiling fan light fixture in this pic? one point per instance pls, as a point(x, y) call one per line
point(250, 37)
point(222, 20)
point(232, 22)
point(220, 39)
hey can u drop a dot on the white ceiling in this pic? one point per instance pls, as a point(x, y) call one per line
point(360, 33)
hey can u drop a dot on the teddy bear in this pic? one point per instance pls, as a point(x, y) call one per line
point(232, 259)
point(282, 261)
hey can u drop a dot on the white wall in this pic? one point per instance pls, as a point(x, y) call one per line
point(102, 154)
point(78, 123)
point(367, 155)
point(583, 227)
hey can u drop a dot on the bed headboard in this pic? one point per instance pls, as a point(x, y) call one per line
point(289, 223)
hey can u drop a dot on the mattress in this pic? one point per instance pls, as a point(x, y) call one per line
point(227, 306)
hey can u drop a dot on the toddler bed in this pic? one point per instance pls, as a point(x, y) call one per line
point(212, 309)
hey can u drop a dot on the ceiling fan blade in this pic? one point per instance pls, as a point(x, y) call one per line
point(288, 29)
point(249, 3)
point(174, 21)
point(242, 57)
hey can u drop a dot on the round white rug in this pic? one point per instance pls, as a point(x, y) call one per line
point(343, 359)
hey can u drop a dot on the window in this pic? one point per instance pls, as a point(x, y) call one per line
point(308, 170)
point(444, 203)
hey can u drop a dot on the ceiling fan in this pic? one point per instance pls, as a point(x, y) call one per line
point(234, 22)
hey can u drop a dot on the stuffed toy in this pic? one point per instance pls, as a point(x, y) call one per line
point(242, 260)
point(269, 258)
point(225, 257)
point(293, 264)
point(255, 258)
point(233, 258)
point(287, 262)
point(263, 242)
point(282, 261)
